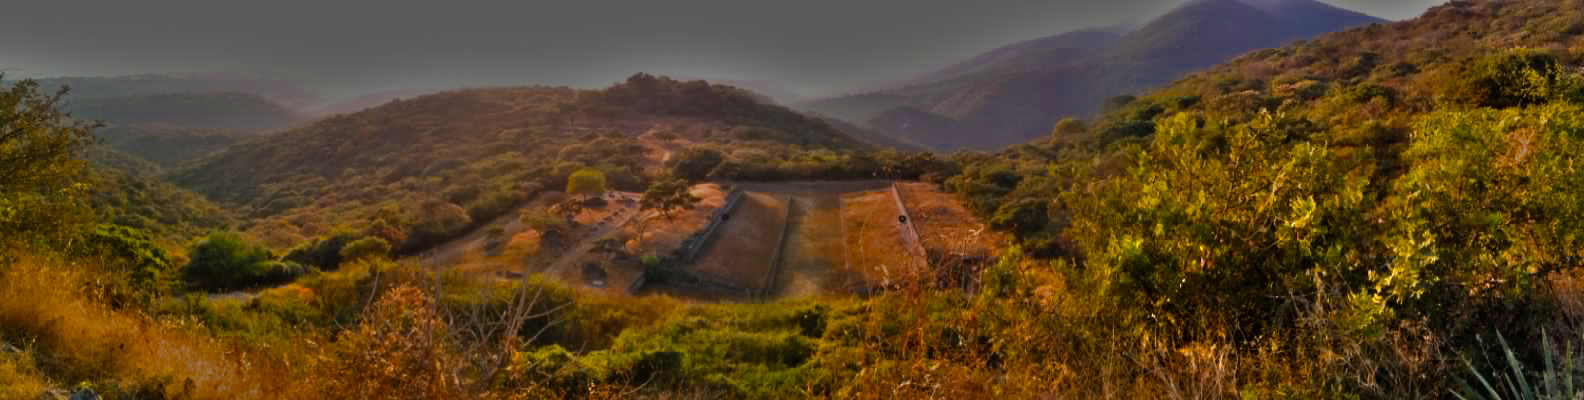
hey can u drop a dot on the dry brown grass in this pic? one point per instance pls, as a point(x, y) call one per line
point(79, 340)
point(739, 253)
point(19, 379)
point(876, 251)
point(945, 225)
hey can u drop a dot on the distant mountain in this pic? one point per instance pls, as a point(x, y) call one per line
point(915, 126)
point(166, 145)
point(368, 101)
point(284, 92)
point(772, 90)
point(1054, 50)
point(228, 110)
point(1016, 93)
point(173, 128)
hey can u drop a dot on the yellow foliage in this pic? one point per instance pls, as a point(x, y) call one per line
point(19, 380)
point(43, 300)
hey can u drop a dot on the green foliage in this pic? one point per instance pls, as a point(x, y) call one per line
point(325, 253)
point(1556, 376)
point(668, 195)
point(436, 222)
point(41, 184)
point(365, 248)
point(223, 261)
point(1024, 216)
point(1067, 128)
point(750, 352)
point(587, 182)
point(1491, 202)
point(1518, 77)
point(142, 271)
point(1247, 221)
point(695, 164)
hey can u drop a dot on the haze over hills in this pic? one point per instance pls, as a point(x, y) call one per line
point(171, 128)
point(1015, 93)
point(218, 110)
point(289, 93)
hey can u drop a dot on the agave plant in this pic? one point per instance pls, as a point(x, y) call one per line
point(1556, 380)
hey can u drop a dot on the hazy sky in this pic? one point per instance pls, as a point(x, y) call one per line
point(348, 46)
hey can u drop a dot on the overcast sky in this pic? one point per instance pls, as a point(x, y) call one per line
point(350, 46)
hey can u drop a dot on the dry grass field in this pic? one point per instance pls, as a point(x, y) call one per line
point(876, 251)
point(740, 254)
point(944, 224)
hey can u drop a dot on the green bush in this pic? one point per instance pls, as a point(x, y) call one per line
point(224, 261)
point(695, 164)
point(365, 248)
point(323, 253)
point(1513, 78)
point(142, 270)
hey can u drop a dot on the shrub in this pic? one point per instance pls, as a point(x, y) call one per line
point(145, 268)
point(365, 248)
point(224, 261)
point(323, 253)
point(696, 164)
point(1513, 78)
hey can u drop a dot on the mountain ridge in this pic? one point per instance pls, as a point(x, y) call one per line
point(1000, 106)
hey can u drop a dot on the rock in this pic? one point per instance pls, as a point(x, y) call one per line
point(55, 394)
point(85, 394)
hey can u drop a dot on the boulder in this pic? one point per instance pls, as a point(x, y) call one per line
point(85, 394)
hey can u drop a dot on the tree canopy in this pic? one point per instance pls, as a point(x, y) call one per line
point(667, 196)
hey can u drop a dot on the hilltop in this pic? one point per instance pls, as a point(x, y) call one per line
point(1015, 93)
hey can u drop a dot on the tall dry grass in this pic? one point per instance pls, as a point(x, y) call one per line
point(76, 340)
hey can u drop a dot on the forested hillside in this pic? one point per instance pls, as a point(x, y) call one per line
point(480, 152)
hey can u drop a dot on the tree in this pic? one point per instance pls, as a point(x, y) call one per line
point(365, 248)
point(41, 170)
point(323, 253)
point(668, 195)
point(224, 261)
point(437, 221)
point(586, 182)
point(543, 220)
point(1023, 217)
point(1067, 129)
point(140, 270)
